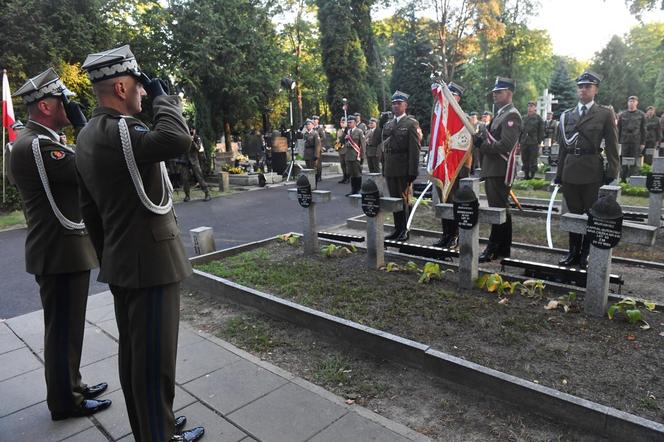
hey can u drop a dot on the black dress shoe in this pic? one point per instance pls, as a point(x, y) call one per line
point(93, 391)
point(441, 242)
point(403, 236)
point(190, 435)
point(180, 422)
point(87, 408)
point(489, 254)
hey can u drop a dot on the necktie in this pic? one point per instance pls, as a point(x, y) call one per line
point(583, 111)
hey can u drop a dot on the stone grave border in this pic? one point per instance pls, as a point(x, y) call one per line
point(528, 396)
point(359, 223)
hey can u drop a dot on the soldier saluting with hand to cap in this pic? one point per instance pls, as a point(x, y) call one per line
point(127, 206)
point(58, 250)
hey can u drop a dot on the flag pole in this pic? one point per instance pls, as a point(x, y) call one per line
point(4, 163)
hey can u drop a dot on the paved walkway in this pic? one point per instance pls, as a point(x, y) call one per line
point(236, 396)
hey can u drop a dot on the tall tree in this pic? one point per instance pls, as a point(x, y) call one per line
point(362, 20)
point(562, 87)
point(343, 59)
point(645, 45)
point(659, 92)
point(613, 64)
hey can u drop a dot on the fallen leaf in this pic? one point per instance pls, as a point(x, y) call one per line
point(631, 337)
point(350, 401)
point(503, 301)
point(565, 308)
point(661, 334)
point(552, 305)
point(564, 381)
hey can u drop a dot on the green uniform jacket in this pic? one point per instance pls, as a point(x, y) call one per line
point(311, 145)
point(372, 143)
point(401, 147)
point(358, 138)
point(653, 130)
point(321, 134)
point(632, 127)
point(341, 134)
point(597, 125)
point(137, 248)
point(551, 130)
point(49, 247)
point(505, 129)
point(533, 130)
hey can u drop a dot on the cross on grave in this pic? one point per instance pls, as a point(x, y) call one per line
point(544, 103)
point(374, 206)
point(309, 199)
point(606, 231)
point(469, 215)
point(654, 182)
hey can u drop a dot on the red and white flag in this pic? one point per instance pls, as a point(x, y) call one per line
point(451, 140)
point(7, 108)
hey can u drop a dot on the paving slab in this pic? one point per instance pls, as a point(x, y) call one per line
point(234, 386)
point(30, 328)
point(201, 358)
point(34, 424)
point(97, 345)
point(90, 435)
point(216, 427)
point(15, 362)
point(105, 370)
point(288, 414)
point(187, 336)
point(8, 340)
point(110, 327)
point(358, 429)
point(22, 391)
point(100, 300)
point(100, 314)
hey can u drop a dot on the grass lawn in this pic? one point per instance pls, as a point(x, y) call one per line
point(11, 219)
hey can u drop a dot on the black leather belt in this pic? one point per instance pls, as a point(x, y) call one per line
point(578, 151)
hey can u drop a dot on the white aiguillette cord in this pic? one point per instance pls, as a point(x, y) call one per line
point(36, 152)
point(166, 191)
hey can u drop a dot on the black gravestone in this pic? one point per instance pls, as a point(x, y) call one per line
point(303, 191)
point(466, 208)
point(655, 182)
point(370, 198)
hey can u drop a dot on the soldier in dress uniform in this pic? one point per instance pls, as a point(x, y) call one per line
point(495, 145)
point(550, 129)
point(340, 145)
point(401, 154)
point(191, 163)
point(653, 133)
point(632, 135)
point(581, 168)
point(127, 206)
point(359, 123)
point(312, 150)
point(373, 147)
point(58, 250)
point(532, 135)
point(355, 148)
point(320, 130)
point(450, 229)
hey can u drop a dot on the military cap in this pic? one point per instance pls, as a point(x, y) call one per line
point(111, 63)
point(308, 121)
point(650, 107)
point(633, 97)
point(399, 96)
point(473, 113)
point(503, 83)
point(315, 117)
point(351, 118)
point(357, 114)
point(589, 77)
point(456, 89)
point(18, 125)
point(375, 120)
point(487, 113)
point(532, 103)
point(47, 84)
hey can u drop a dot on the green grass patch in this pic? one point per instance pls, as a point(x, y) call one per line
point(250, 334)
point(11, 219)
point(334, 369)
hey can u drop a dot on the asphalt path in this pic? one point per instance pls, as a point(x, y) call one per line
point(236, 219)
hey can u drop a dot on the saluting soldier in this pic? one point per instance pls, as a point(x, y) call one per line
point(58, 250)
point(355, 147)
point(401, 154)
point(581, 169)
point(653, 133)
point(632, 135)
point(312, 150)
point(340, 145)
point(373, 147)
point(532, 135)
point(495, 145)
point(127, 206)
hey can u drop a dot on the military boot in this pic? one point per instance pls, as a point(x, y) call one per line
point(585, 250)
point(572, 258)
point(444, 239)
point(398, 217)
point(505, 238)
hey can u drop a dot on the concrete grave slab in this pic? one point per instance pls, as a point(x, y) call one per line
point(306, 414)
point(34, 424)
point(234, 386)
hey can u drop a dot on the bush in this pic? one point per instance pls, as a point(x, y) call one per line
point(533, 184)
point(628, 189)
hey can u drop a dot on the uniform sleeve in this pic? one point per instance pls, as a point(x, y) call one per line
point(643, 130)
point(540, 131)
point(60, 164)
point(413, 149)
point(509, 135)
point(91, 217)
point(169, 136)
point(611, 145)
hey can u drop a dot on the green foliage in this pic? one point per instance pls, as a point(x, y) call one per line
point(562, 86)
point(631, 309)
point(333, 250)
point(645, 169)
point(334, 369)
point(494, 283)
point(250, 334)
point(613, 64)
point(532, 184)
point(628, 189)
point(290, 238)
point(431, 270)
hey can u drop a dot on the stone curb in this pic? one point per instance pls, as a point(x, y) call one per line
point(550, 403)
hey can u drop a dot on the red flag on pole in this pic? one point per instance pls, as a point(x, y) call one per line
point(451, 139)
point(7, 108)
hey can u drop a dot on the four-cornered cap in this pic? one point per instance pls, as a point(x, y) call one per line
point(399, 96)
point(369, 186)
point(503, 83)
point(464, 195)
point(111, 63)
point(474, 114)
point(606, 207)
point(308, 121)
point(315, 117)
point(589, 77)
point(487, 113)
point(47, 84)
point(532, 103)
point(375, 120)
point(456, 89)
